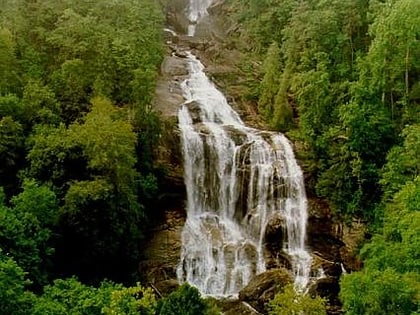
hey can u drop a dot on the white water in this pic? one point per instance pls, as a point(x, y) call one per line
point(237, 179)
point(196, 11)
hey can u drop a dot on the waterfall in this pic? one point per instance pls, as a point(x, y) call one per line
point(196, 11)
point(237, 179)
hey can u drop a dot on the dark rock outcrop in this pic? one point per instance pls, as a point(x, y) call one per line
point(264, 287)
point(327, 288)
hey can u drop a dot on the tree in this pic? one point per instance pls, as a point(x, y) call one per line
point(69, 296)
point(39, 104)
point(392, 65)
point(13, 299)
point(131, 301)
point(270, 83)
point(403, 164)
point(389, 282)
point(382, 292)
point(54, 157)
point(102, 210)
point(186, 300)
point(11, 153)
point(9, 78)
point(109, 142)
point(25, 236)
point(356, 153)
point(290, 302)
point(25, 232)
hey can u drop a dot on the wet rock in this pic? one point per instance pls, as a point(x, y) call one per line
point(180, 54)
point(166, 287)
point(327, 288)
point(275, 232)
point(175, 15)
point(235, 307)
point(278, 259)
point(170, 36)
point(352, 236)
point(194, 111)
point(263, 287)
point(216, 7)
point(324, 235)
point(329, 268)
point(238, 136)
point(173, 66)
point(163, 248)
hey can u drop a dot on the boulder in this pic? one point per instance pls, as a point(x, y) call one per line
point(166, 287)
point(194, 111)
point(275, 232)
point(327, 288)
point(329, 268)
point(263, 287)
point(235, 307)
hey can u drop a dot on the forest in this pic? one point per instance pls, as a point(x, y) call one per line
point(78, 132)
point(342, 79)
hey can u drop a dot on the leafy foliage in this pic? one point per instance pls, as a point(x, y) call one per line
point(131, 301)
point(25, 229)
point(186, 300)
point(12, 287)
point(348, 75)
point(289, 302)
point(380, 292)
point(76, 78)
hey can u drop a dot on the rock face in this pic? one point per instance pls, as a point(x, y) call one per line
point(162, 252)
point(333, 245)
point(264, 287)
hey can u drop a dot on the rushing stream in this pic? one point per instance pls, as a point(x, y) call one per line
point(237, 179)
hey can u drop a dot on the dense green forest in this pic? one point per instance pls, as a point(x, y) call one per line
point(77, 135)
point(76, 139)
point(342, 78)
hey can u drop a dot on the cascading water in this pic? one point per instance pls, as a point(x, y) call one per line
point(197, 10)
point(237, 179)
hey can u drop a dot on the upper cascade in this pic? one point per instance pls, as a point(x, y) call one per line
point(196, 11)
point(237, 179)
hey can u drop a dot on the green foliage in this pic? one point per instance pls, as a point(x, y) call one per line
point(37, 200)
point(392, 62)
point(69, 296)
point(25, 232)
point(188, 301)
point(12, 287)
point(131, 301)
point(352, 172)
point(397, 245)
point(11, 152)
point(380, 292)
point(403, 162)
point(264, 20)
point(77, 80)
point(289, 302)
point(39, 104)
point(108, 142)
point(9, 70)
point(390, 281)
point(270, 83)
